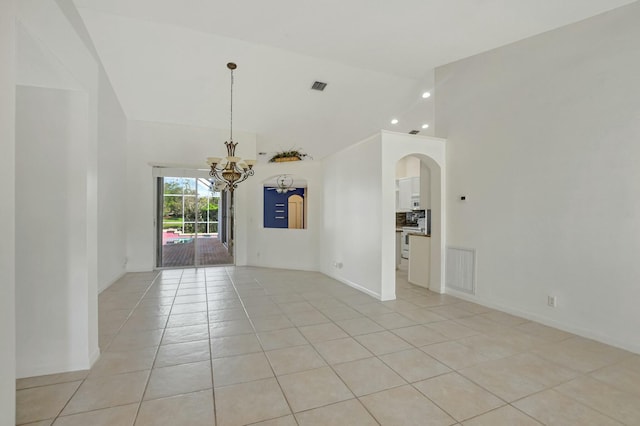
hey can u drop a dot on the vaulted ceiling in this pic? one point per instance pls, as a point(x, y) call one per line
point(166, 59)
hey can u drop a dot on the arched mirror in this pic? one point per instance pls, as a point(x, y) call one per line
point(285, 202)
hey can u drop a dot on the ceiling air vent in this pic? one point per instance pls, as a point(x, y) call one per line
point(414, 132)
point(318, 85)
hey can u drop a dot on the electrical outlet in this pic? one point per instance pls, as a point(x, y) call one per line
point(551, 301)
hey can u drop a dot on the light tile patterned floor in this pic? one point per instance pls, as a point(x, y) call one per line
point(239, 345)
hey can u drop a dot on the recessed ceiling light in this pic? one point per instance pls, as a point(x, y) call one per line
point(426, 95)
point(425, 126)
point(394, 121)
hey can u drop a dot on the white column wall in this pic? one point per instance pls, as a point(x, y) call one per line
point(7, 215)
point(112, 187)
point(543, 141)
point(56, 65)
point(52, 235)
point(359, 211)
point(352, 237)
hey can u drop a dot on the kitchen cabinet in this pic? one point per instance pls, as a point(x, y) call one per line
point(419, 259)
point(408, 192)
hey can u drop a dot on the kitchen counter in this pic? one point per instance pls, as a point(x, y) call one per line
point(419, 259)
point(418, 234)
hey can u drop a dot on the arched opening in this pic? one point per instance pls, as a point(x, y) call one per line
point(296, 212)
point(415, 220)
point(430, 153)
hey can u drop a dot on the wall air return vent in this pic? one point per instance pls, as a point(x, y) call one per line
point(461, 269)
point(318, 85)
point(414, 132)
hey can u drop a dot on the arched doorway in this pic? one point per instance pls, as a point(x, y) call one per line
point(296, 212)
point(431, 153)
point(414, 221)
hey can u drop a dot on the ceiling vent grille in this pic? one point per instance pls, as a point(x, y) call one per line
point(318, 85)
point(414, 132)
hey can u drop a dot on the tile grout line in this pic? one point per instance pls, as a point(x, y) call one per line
point(311, 345)
point(264, 353)
point(517, 344)
point(107, 346)
point(135, 418)
point(213, 387)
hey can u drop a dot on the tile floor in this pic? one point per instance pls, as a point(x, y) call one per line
point(236, 346)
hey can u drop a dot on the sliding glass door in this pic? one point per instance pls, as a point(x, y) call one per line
point(188, 224)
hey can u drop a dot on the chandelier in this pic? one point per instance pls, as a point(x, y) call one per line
point(285, 184)
point(231, 170)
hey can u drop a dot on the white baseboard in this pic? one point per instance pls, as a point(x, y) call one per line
point(45, 370)
point(95, 355)
point(111, 282)
point(569, 328)
point(356, 286)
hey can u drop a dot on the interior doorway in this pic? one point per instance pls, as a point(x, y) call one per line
point(189, 223)
point(419, 218)
point(296, 212)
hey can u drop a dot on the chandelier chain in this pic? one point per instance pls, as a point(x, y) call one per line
point(230, 171)
point(231, 111)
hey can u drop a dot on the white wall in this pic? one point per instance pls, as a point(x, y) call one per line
point(285, 248)
point(59, 76)
point(7, 215)
point(112, 186)
point(352, 216)
point(408, 166)
point(52, 295)
point(151, 144)
point(543, 140)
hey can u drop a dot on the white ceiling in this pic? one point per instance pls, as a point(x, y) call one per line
point(167, 59)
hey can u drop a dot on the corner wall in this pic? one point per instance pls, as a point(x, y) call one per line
point(7, 214)
point(358, 240)
point(52, 251)
point(68, 117)
point(112, 186)
point(543, 140)
point(351, 237)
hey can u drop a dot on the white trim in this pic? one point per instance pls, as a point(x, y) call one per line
point(112, 281)
point(94, 357)
point(357, 287)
